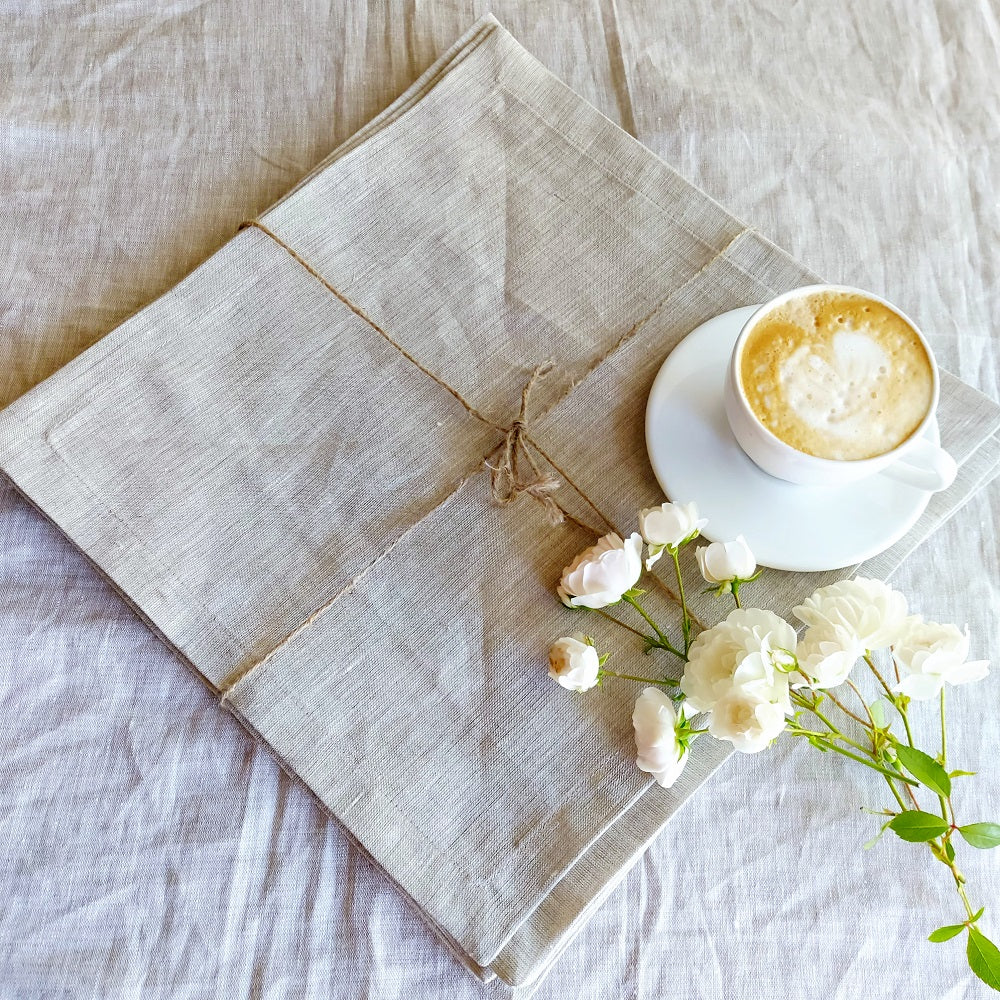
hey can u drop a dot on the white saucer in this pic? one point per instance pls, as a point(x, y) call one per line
point(695, 457)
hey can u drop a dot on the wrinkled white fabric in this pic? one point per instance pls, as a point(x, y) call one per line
point(134, 139)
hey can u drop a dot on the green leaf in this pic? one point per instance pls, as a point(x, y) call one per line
point(981, 835)
point(917, 826)
point(946, 933)
point(924, 768)
point(961, 774)
point(877, 710)
point(984, 958)
point(869, 844)
point(975, 916)
point(949, 849)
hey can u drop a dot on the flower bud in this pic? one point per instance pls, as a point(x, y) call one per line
point(574, 663)
point(669, 526)
point(723, 562)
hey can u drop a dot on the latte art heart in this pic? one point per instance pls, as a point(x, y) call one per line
point(834, 393)
point(837, 375)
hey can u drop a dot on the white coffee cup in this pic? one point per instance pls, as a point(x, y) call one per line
point(917, 460)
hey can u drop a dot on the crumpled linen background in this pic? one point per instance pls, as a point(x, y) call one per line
point(152, 848)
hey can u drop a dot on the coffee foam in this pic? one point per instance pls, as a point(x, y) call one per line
point(837, 375)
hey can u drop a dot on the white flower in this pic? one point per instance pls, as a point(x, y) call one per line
point(574, 662)
point(748, 722)
point(826, 657)
point(929, 654)
point(723, 562)
point(868, 610)
point(599, 576)
point(757, 676)
point(750, 640)
point(659, 752)
point(669, 526)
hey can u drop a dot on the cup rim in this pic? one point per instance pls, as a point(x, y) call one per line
point(882, 458)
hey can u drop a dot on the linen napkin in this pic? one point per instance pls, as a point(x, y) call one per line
point(320, 468)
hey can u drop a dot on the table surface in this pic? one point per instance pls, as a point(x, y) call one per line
point(151, 848)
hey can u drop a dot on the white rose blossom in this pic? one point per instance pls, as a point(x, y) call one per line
point(749, 722)
point(659, 751)
point(826, 656)
point(868, 610)
point(929, 655)
point(668, 527)
point(746, 648)
point(723, 562)
point(574, 662)
point(758, 676)
point(600, 575)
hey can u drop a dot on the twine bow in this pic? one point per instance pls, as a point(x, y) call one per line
point(509, 478)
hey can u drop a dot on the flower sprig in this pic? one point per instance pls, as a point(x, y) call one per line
point(750, 678)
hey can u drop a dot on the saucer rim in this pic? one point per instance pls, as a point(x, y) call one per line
point(657, 391)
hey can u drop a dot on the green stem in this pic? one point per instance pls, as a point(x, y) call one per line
point(871, 718)
point(736, 597)
point(848, 712)
point(814, 708)
point(944, 753)
point(875, 735)
point(879, 677)
point(895, 775)
point(947, 809)
point(638, 680)
point(939, 852)
point(685, 617)
point(944, 736)
point(906, 726)
point(611, 618)
point(913, 798)
point(892, 697)
point(961, 892)
point(946, 806)
point(896, 795)
point(663, 642)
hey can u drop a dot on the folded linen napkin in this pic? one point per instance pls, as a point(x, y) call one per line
point(284, 465)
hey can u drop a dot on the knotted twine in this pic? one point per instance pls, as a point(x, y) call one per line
point(508, 478)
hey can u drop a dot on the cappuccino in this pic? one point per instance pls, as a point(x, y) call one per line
point(837, 375)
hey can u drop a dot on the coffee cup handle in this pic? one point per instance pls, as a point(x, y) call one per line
point(924, 465)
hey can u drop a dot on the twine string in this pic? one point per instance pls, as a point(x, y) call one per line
point(516, 471)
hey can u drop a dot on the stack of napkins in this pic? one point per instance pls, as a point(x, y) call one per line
point(285, 465)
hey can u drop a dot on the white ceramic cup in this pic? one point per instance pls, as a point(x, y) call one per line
point(916, 461)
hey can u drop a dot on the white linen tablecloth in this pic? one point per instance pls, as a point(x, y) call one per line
point(151, 848)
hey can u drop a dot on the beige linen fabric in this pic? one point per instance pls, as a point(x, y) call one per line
point(285, 450)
